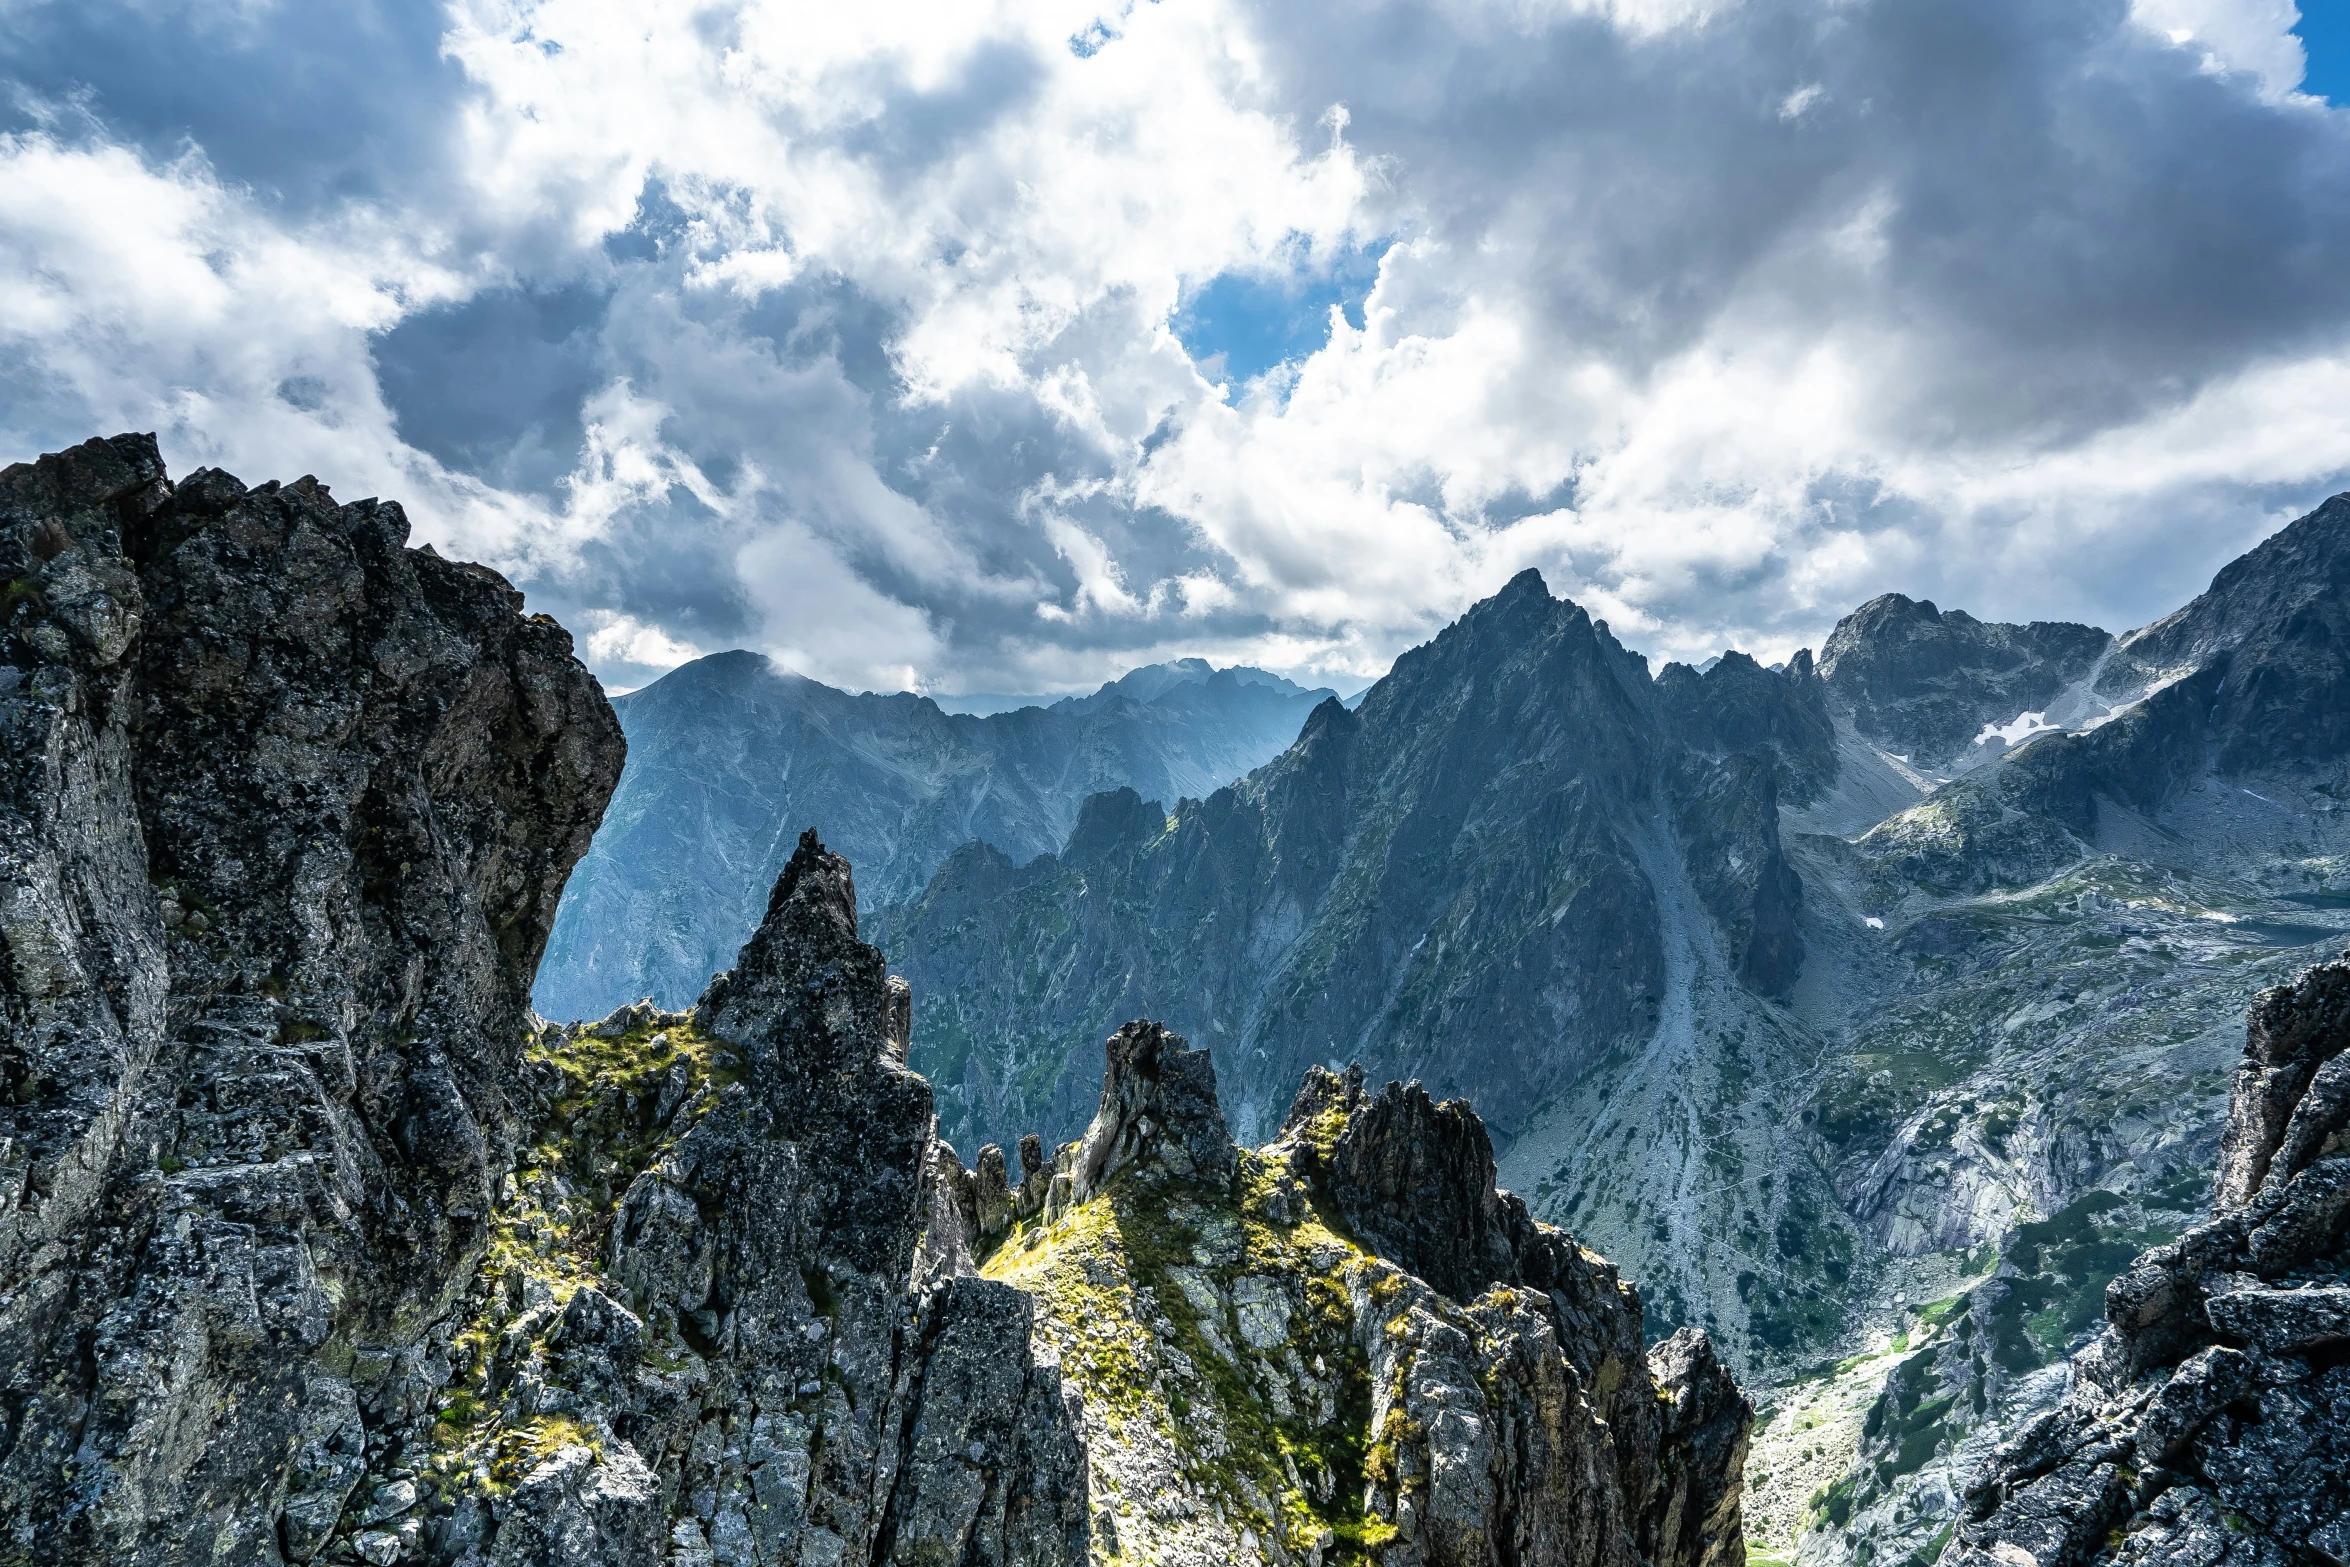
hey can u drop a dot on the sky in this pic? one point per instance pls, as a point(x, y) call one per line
point(978, 346)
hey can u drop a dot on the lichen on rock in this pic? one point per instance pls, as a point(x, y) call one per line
point(1259, 1383)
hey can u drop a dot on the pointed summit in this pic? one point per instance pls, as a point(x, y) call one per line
point(810, 1006)
point(1158, 1107)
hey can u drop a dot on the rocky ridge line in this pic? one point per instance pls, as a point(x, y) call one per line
point(315, 1248)
point(1347, 1345)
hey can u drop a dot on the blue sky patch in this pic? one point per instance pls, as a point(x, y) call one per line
point(1258, 320)
point(2324, 30)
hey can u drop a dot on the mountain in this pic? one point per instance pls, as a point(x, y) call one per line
point(730, 757)
point(1856, 1006)
point(317, 1247)
point(1155, 682)
point(1946, 692)
point(1515, 862)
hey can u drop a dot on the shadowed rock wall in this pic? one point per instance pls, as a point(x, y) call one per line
point(285, 810)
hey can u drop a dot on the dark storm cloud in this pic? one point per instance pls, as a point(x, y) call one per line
point(316, 104)
point(2057, 219)
point(494, 385)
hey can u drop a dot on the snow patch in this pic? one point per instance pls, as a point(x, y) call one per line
point(2018, 728)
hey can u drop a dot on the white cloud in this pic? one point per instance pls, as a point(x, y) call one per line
point(614, 638)
point(1724, 315)
point(2253, 36)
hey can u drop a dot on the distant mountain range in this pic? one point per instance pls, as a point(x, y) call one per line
point(1873, 1010)
point(1851, 1005)
point(730, 757)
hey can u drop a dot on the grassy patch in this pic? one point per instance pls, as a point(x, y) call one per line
point(621, 1100)
point(1141, 1289)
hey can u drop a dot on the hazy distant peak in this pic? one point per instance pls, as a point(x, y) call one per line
point(1152, 682)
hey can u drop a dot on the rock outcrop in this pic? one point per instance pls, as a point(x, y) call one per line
point(2211, 1420)
point(285, 810)
point(1347, 1345)
point(710, 1319)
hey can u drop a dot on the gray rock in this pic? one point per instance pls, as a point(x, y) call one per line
point(2282, 1322)
point(577, 1508)
point(2204, 1384)
point(992, 1473)
point(2198, 1453)
point(1158, 1105)
point(2290, 1035)
point(250, 1161)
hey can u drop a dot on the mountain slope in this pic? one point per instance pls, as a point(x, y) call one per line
point(729, 758)
point(1857, 1008)
point(2027, 1064)
point(1510, 864)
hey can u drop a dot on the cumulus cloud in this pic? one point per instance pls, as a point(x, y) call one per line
point(892, 341)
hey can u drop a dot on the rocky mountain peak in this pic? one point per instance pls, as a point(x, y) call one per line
point(1287, 1388)
point(1158, 1109)
point(1415, 1179)
point(1926, 683)
point(1118, 819)
point(730, 756)
point(2280, 1116)
point(2260, 651)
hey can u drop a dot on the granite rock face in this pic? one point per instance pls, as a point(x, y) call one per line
point(2211, 1420)
point(285, 810)
point(311, 1248)
point(1285, 1355)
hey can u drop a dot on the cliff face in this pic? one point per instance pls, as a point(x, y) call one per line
point(286, 811)
point(1939, 686)
point(2211, 1420)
